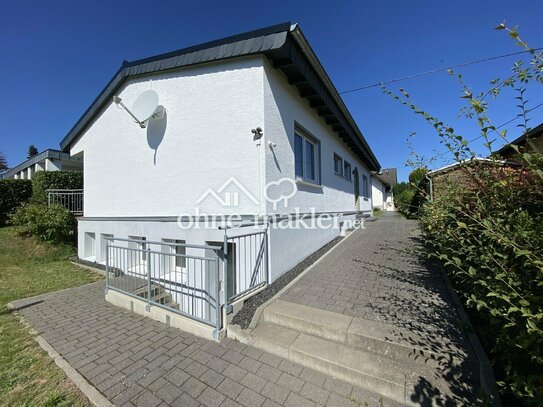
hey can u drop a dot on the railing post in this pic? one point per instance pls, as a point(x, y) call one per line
point(48, 198)
point(218, 307)
point(266, 253)
point(227, 306)
point(148, 265)
point(107, 264)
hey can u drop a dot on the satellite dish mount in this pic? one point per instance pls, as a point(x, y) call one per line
point(145, 107)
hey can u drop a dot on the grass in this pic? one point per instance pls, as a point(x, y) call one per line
point(28, 377)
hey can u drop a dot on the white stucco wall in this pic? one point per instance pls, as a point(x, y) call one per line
point(211, 110)
point(378, 199)
point(283, 108)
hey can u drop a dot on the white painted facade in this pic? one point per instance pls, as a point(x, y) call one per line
point(138, 181)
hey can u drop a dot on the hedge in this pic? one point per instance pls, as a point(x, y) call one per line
point(13, 193)
point(44, 180)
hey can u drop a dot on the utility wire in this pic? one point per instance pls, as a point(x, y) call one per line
point(480, 136)
point(438, 70)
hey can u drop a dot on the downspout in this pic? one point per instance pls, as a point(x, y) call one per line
point(431, 187)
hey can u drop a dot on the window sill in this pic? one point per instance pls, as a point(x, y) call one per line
point(301, 181)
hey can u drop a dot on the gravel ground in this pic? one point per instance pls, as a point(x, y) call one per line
point(244, 317)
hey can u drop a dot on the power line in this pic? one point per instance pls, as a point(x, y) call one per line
point(499, 127)
point(481, 136)
point(438, 70)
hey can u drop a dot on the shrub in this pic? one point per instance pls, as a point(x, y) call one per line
point(44, 180)
point(53, 224)
point(490, 240)
point(13, 193)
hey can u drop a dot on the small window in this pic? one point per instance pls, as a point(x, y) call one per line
point(306, 157)
point(365, 192)
point(90, 246)
point(103, 246)
point(139, 243)
point(179, 261)
point(338, 165)
point(347, 170)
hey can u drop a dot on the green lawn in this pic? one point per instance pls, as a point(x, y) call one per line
point(28, 377)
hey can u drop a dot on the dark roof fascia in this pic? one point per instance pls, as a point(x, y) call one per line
point(520, 140)
point(278, 43)
point(250, 43)
point(47, 154)
point(331, 98)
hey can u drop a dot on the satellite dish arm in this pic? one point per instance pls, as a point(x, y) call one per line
point(119, 101)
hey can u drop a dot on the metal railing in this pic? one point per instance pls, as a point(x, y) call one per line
point(71, 199)
point(246, 267)
point(179, 277)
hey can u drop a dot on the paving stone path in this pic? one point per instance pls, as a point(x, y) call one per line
point(381, 275)
point(135, 361)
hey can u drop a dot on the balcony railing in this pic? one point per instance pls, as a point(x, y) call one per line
point(71, 199)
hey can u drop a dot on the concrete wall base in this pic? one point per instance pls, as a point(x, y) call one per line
point(162, 315)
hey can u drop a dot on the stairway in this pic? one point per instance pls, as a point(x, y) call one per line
point(158, 295)
point(394, 362)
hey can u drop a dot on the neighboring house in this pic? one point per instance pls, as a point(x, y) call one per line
point(437, 182)
point(48, 160)
point(382, 184)
point(532, 141)
point(147, 185)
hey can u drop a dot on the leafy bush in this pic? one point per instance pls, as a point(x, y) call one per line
point(53, 224)
point(490, 240)
point(13, 193)
point(44, 180)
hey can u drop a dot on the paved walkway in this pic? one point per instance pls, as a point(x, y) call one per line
point(381, 275)
point(135, 361)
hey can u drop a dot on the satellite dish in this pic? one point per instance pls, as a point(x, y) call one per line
point(145, 107)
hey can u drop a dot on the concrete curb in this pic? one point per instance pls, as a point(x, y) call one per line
point(94, 396)
point(486, 373)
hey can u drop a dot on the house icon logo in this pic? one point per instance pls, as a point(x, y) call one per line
point(228, 194)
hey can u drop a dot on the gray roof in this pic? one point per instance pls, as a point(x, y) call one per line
point(388, 176)
point(47, 154)
point(520, 141)
point(284, 45)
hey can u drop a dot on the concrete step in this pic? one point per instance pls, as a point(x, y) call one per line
point(346, 363)
point(382, 339)
point(142, 291)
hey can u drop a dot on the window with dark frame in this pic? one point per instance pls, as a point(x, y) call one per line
point(338, 165)
point(365, 192)
point(306, 157)
point(347, 170)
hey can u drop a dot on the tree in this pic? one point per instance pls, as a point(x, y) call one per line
point(417, 175)
point(3, 161)
point(32, 151)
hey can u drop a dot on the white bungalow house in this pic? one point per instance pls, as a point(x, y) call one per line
point(254, 129)
point(382, 194)
point(48, 160)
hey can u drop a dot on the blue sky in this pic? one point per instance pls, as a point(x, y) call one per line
point(57, 56)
